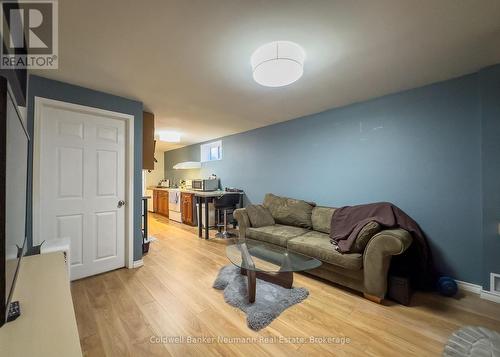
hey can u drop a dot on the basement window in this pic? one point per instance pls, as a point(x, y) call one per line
point(211, 151)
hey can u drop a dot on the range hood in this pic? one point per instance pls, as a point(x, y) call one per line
point(187, 165)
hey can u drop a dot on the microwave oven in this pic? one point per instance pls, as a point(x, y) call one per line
point(205, 185)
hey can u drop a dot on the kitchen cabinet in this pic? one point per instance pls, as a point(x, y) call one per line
point(148, 141)
point(160, 202)
point(155, 201)
point(187, 202)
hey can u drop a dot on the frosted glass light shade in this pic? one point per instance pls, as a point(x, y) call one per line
point(187, 165)
point(278, 63)
point(169, 136)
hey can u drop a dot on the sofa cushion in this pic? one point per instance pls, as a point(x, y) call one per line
point(289, 211)
point(277, 234)
point(259, 216)
point(365, 234)
point(317, 245)
point(321, 218)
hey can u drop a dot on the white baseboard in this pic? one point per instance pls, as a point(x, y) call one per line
point(151, 239)
point(137, 264)
point(478, 289)
point(465, 286)
point(488, 295)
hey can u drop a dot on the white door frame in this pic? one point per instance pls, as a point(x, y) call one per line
point(40, 102)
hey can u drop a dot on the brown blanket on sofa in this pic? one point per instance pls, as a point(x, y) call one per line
point(347, 222)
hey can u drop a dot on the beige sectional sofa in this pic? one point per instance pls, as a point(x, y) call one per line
point(304, 227)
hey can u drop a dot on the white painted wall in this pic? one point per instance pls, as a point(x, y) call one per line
point(152, 178)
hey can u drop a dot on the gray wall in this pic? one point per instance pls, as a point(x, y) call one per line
point(46, 88)
point(420, 149)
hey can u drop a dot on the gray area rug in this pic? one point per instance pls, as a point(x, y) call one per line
point(270, 299)
point(473, 341)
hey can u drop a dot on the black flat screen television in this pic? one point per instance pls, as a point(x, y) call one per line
point(14, 140)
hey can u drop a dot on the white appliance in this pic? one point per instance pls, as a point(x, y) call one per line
point(164, 183)
point(174, 205)
point(149, 193)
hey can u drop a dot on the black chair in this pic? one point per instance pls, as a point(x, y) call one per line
point(225, 204)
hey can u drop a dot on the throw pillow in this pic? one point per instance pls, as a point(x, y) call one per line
point(259, 216)
point(289, 211)
point(365, 234)
point(322, 218)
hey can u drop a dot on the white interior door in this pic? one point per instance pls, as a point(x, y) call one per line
point(82, 181)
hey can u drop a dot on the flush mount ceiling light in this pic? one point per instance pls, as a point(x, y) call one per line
point(169, 136)
point(278, 63)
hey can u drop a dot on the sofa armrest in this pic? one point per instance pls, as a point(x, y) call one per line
point(377, 258)
point(241, 216)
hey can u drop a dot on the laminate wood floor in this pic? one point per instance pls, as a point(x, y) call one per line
point(127, 312)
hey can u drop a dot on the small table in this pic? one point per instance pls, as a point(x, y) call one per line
point(267, 262)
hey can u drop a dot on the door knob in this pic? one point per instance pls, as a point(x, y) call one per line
point(121, 203)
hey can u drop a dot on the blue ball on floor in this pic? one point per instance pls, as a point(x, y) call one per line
point(447, 286)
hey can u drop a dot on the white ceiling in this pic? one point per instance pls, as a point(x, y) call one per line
point(189, 61)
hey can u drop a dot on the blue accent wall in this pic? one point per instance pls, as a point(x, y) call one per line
point(490, 150)
point(46, 88)
point(420, 149)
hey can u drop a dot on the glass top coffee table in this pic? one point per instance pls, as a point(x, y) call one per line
point(268, 262)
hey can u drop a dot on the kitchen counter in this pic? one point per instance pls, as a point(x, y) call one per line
point(158, 188)
point(202, 199)
point(196, 193)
